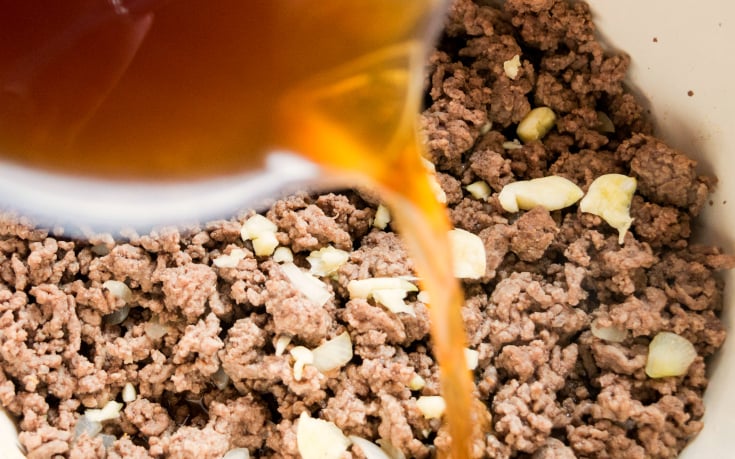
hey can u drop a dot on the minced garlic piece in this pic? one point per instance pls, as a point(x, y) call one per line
point(609, 197)
point(512, 66)
point(231, 260)
point(468, 253)
point(388, 291)
point(479, 190)
point(326, 261)
point(536, 124)
point(382, 217)
point(552, 193)
point(262, 233)
point(669, 355)
point(431, 406)
point(319, 439)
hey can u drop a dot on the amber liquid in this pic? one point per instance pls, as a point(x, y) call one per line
point(186, 89)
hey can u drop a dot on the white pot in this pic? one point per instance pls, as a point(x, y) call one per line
point(676, 47)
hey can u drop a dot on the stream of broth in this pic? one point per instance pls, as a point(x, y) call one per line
point(188, 89)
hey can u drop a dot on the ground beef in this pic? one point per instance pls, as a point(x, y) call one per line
point(207, 348)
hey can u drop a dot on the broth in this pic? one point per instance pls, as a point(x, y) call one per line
point(180, 89)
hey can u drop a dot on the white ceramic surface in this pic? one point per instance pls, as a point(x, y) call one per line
point(677, 47)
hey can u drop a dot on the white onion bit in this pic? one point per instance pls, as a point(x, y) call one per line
point(220, 379)
point(611, 333)
point(311, 287)
point(318, 439)
point(431, 406)
point(119, 290)
point(111, 410)
point(391, 449)
point(237, 453)
point(154, 329)
point(87, 426)
point(281, 343)
point(669, 355)
point(107, 440)
point(333, 354)
point(117, 317)
point(369, 449)
point(326, 261)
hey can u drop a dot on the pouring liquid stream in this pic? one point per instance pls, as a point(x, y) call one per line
point(178, 90)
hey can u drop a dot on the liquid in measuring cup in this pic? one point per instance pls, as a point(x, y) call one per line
point(171, 90)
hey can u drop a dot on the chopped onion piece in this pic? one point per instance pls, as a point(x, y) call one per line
point(302, 356)
point(512, 145)
point(417, 382)
point(262, 233)
point(87, 426)
point(334, 353)
point(119, 290)
point(117, 317)
point(512, 66)
point(612, 333)
point(552, 193)
point(439, 193)
point(128, 393)
point(604, 123)
point(220, 379)
point(256, 226)
point(391, 449)
point(479, 190)
point(369, 449)
point(609, 197)
point(431, 406)
point(468, 254)
point(669, 355)
point(472, 357)
point(283, 255)
point(281, 343)
point(364, 288)
point(231, 260)
point(155, 329)
point(237, 453)
point(100, 249)
point(392, 299)
point(382, 217)
point(388, 291)
point(318, 439)
point(311, 287)
point(326, 261)
point(107, 440)
point(111, 410)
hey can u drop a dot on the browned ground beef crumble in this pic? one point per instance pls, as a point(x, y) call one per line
point(554, 389)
